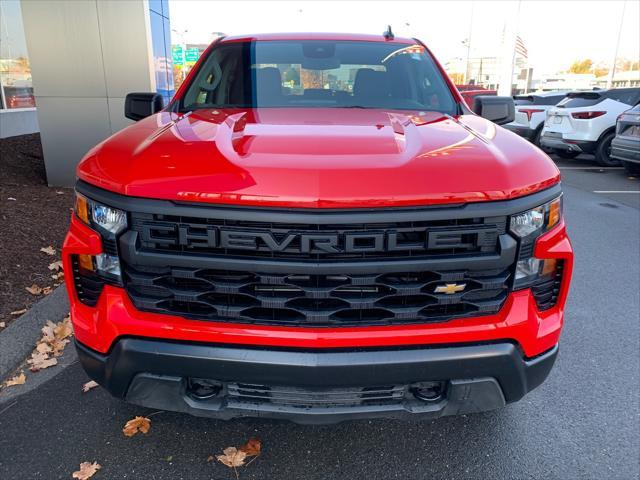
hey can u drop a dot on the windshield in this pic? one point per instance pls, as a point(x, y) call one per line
point(319, 73)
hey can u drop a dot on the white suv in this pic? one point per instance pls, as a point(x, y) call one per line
point(531, 110)
point(585, 122)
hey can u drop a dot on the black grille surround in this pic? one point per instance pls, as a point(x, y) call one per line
point(87, 284)
point(311, 267)
point(546, 293)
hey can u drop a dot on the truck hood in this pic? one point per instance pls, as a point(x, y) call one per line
point(318, 158)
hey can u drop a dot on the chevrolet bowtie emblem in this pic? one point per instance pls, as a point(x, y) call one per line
point(450, 288)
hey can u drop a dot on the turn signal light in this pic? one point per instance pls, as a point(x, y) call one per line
point(82, 208)
point(86, 262)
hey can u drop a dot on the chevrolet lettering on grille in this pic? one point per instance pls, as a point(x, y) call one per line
point(305, 242)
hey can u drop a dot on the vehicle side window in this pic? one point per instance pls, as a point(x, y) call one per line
point(580, 100)
point(628, 97)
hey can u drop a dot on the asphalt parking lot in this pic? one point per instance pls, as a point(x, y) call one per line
point(584, 422)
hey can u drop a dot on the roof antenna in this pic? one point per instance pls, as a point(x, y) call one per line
point(388, 35)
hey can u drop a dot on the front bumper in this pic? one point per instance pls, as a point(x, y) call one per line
point(318, 386)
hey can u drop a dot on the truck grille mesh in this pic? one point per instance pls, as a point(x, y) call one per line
point(315, 300)
point(308, 398)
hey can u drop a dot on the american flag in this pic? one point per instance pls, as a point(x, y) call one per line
point(520, 48)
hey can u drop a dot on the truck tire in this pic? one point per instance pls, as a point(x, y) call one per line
point(603, 151)
point(568, 154)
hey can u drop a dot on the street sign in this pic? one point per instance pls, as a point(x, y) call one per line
point(192, 55)
point(177, 54)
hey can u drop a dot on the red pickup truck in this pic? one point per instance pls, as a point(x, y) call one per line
point(317, 228)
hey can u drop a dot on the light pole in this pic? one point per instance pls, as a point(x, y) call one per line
point(466, 68)
point(612, 70)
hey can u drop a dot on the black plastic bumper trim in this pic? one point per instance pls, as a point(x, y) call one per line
point(152, 372)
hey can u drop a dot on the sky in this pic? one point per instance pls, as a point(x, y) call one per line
point(556, 33)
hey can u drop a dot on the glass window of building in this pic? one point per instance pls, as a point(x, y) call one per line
point(16, 89)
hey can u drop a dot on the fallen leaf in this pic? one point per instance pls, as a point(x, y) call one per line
point(232, 457)
point(48, 250)
point(34, 289)
point(47, 290)
point(2, 324)
point(88, 386)
point(87, 470)
point(19, 312)
point(57, 265)
point(58, 276)
point(135, 425)
point(252, 447)
point(44, 347)
point(47, 331)
point(63, 329)
point(17, 380)
point(210, 458)
point(40, 361)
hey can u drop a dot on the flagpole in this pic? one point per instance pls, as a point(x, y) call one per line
point(505, 87)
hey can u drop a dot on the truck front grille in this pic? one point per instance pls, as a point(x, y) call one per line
point(316, 300)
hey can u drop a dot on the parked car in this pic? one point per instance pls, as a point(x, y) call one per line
point(531, 110)
point(362, 245)
point(625, 146)
point(585, 122)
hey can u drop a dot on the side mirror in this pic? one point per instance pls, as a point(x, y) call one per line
point(140, 105)
point(499, 110)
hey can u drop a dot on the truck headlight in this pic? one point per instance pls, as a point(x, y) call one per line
point(111, 219)
point(528, 226)
point(108, 222)
point(536, 221)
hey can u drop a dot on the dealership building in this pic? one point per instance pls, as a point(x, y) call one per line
point(67, 65)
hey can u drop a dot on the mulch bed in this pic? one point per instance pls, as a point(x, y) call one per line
point(32, 216)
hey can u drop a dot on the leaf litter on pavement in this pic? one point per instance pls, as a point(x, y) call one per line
point(55, 336)
point(135, 425)
point(234, 457)
point(89, 385)
point(87, 470)
point(17, 380)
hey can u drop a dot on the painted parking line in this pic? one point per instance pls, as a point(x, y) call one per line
point(616, 191)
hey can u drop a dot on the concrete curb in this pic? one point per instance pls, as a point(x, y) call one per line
point(18, 340)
